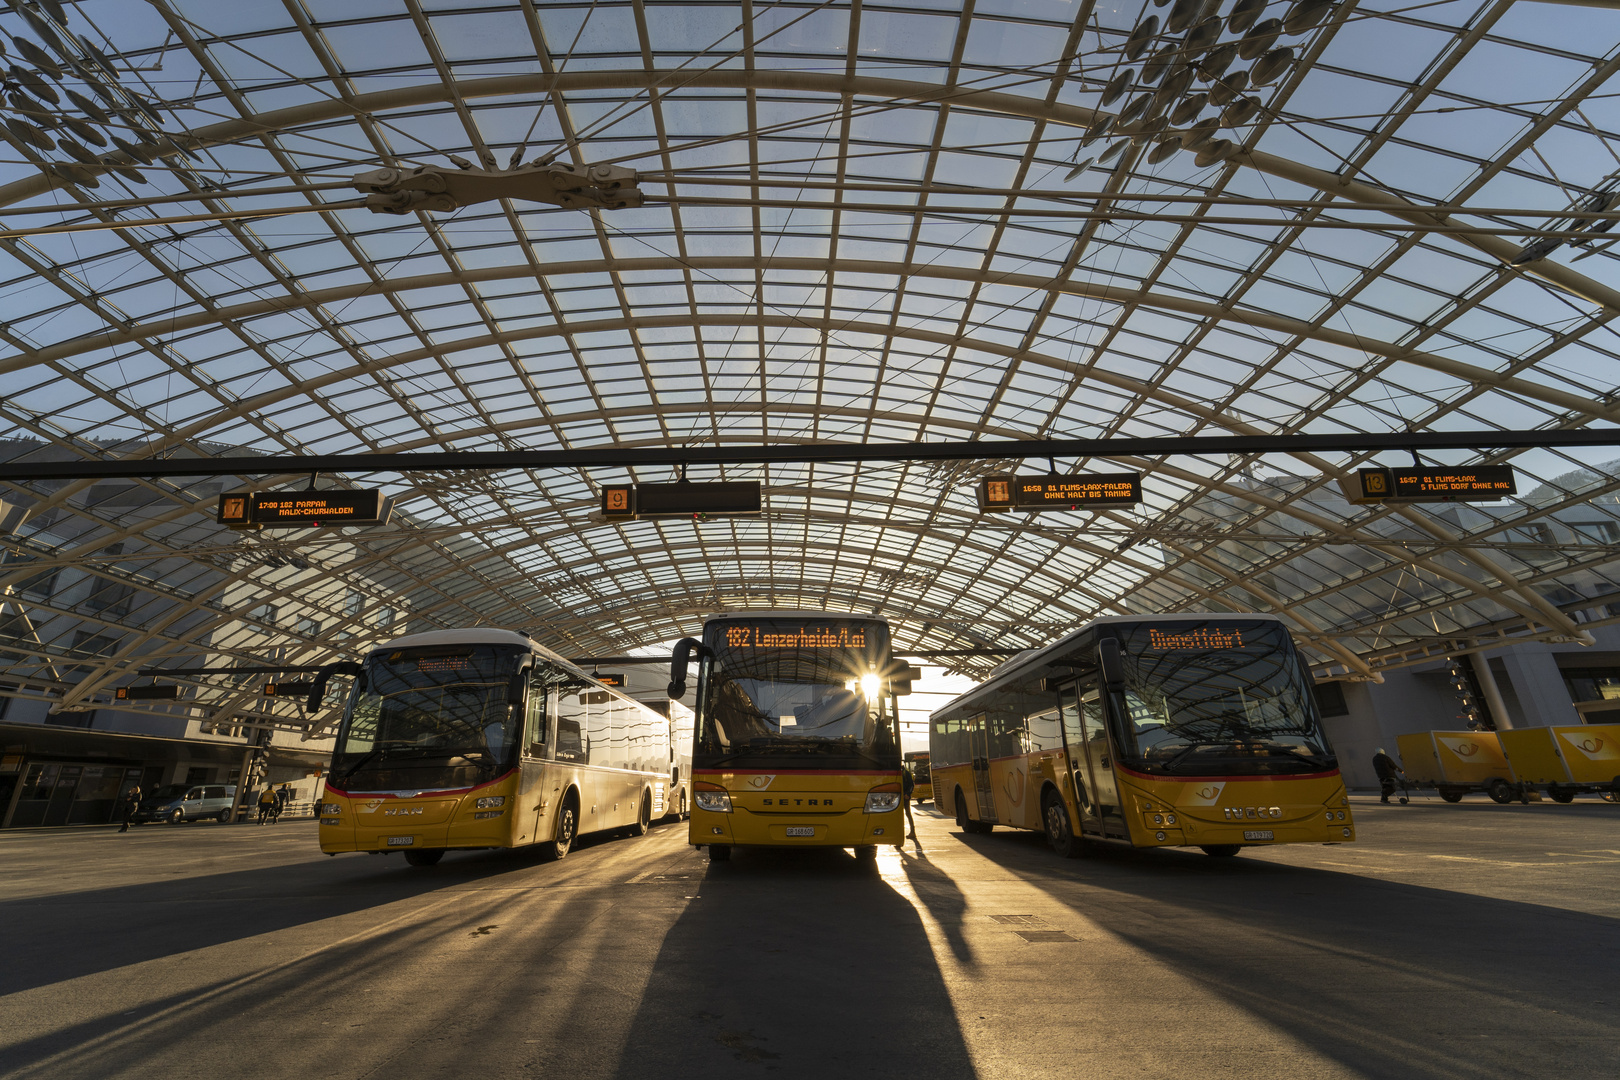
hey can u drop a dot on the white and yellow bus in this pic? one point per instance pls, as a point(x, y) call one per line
point(464, 739)
point(1151, 731)
point(797, 733)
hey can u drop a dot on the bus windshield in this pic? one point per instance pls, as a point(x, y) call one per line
point(1225, 696)
point(796, 687)
point(436, 702)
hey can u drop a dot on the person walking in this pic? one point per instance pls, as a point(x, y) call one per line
point(908, 785)
point(1389, 774)
point(267, 803)
point(128, 804)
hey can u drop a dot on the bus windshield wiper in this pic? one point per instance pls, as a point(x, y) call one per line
point(367, 756)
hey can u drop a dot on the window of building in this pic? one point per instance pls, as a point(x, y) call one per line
point(1330, 699)
point(309, 627)
point(354, 603)
point(1604, 532)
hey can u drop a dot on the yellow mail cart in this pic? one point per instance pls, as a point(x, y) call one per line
point(1455, 763)
point(1565, 760)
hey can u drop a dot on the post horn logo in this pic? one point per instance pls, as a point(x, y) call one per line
point(760, 782)
point(1464, 749)
point(1209, 791)
point(1013, 785)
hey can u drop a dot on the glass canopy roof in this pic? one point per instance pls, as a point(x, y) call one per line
point(860, 222)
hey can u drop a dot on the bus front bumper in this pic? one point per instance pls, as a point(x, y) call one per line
point(745, 828)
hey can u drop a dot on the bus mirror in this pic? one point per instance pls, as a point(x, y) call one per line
point(900, 682)
point(679, 659)
point(1113, 666)
point(515, 686)
point(317, 693)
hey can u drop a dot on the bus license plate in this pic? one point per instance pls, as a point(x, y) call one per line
point(801, 830)
point(401, 841)
point(1259, 834)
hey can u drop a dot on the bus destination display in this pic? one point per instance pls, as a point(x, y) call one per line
point(768, 636)
point(1199, 639)
point(1001, 493)
point(1472, 483)
point(302, 509)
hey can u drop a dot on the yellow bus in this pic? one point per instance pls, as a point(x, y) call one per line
point(1150, 731)
point(921, 777)
point(464, 739)
point(798, 739)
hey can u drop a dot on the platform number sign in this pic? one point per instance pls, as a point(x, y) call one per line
point(619, 502)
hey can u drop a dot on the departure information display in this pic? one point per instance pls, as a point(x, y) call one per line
point(288, 689)
point(147, 693)
point(1471, 483)
point(1079, 492)
point(642, 502)
point(609, 678)
point(302, 509)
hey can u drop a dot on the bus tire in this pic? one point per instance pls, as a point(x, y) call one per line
point(1059, 830)
point(719, 852)
point(424, 856)
point(866, 853)
point(643, 816)
point(567, 827)
point(965, 823)
point(1500, 791)
point(1451, 794)
point(1221, 851)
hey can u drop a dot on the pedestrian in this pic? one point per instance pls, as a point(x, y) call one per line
point(908, 785)
point(128, 805)
point(1389, 774)
point(283, 794)
point(267, 803)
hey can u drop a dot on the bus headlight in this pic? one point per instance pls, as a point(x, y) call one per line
point(489, 802)
point(718, 802)
point(331, 808)
point(881, 800)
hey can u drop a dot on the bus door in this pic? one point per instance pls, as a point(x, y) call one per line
point(1100, 760)
point(527, 818)
point(1091, 766)
point(979, 747)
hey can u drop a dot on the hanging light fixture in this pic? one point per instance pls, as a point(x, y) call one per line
point(1306, 14)
point(1261, 36)
point(1144, 33)
point(1244, 12)
point(1116, 87)
point(1270, 66)
point(1228, 88)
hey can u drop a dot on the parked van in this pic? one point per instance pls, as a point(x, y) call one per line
point(175, 803)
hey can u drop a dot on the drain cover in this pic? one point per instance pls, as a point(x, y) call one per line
point(1040, 936)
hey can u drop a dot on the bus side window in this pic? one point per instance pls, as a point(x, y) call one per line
point(1092, 712)
point(570, 728)
point(534, 726)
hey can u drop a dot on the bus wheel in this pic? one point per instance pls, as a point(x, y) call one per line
point(644, 818)
point(567, 825)
point(965, 823)
point(719, 852)
point(1451, 794)
point(1563, 795)
point(682, 814)
point(1059, 833)
point(1500, 791)
point(424, 856)
point(866, 853)
point(1222, 851)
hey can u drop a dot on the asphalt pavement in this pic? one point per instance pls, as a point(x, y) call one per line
point(1459, 941)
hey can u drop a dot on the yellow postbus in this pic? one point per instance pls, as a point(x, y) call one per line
point(1151, 731)
point(921, 777)
point(462, 739)
point(797, 732)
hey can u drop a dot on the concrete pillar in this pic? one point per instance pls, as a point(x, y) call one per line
point(241, 781)
point(1493, 692)
point(1538, 684)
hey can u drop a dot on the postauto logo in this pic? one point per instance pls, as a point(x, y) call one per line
point(1462, 748)
point(1595, 747)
